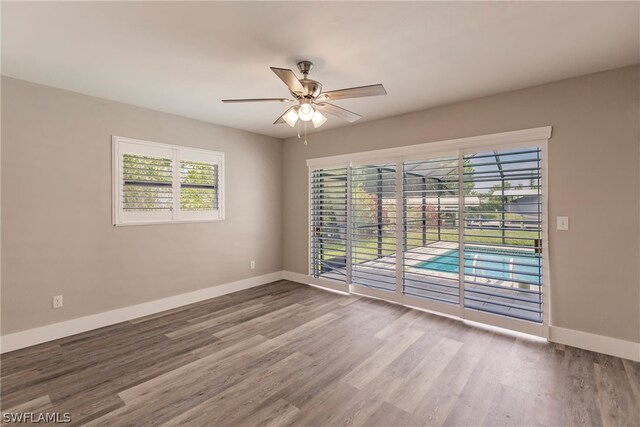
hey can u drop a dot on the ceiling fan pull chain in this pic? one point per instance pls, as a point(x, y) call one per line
point(298, 129)
point(305, 133)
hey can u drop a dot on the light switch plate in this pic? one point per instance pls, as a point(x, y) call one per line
point(563, 223)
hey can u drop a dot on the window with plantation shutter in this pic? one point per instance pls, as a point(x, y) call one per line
point(162, 183)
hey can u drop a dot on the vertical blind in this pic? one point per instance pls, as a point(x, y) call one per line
point(329, 195)
point(503, 236)
point(373, 226)
point(431, 238)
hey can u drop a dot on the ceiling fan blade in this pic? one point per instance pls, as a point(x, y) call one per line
point(353, 92)
point(289, 78)
point(257, 100)
point(334, 110)
point(281, 118)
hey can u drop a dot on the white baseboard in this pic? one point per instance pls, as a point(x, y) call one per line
point(584, 340)
point(296, 277)
point(598, 343)
point(54, 331)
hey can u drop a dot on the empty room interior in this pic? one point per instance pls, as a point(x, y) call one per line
point(320, 213)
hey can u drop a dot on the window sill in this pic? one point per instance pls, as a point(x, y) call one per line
point(183, 221)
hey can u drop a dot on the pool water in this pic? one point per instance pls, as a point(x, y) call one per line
point(501, 266)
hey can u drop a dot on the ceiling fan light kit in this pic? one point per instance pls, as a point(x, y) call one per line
point(311, 100)
point(291, 116)
point(318, 119)
point(306, 110)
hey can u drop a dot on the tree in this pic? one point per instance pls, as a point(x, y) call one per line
point(493, 200)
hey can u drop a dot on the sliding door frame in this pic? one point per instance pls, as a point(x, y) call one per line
point(536, 137)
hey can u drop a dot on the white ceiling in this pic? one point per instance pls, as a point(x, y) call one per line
point(183, 58)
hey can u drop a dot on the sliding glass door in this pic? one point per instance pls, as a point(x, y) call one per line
point(460, 232)
point(374, 226)
point(503, 233)
point(328, 195)
point(431, 254)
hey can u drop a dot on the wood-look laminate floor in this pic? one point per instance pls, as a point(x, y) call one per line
point(286, 354)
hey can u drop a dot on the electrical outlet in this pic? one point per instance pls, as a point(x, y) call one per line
point(253, 265)
point(57, 301)
point(562, 223)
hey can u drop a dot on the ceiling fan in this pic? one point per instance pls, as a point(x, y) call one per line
point(311, 101)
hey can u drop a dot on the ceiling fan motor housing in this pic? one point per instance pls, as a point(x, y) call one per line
point(312, 87)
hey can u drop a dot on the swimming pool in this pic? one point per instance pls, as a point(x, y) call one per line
point(521, 267)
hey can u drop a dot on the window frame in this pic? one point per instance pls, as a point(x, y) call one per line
point(123, 145)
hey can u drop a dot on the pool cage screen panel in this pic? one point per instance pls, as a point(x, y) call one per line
point(328, 222)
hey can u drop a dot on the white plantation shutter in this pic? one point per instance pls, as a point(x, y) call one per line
point(145, 176)
point(329, 195)
point(199, 185)
point(147, 183)
point(159, 183)
point(373, 226)
point(503, 237)
point(458, 228)
point(431, 212)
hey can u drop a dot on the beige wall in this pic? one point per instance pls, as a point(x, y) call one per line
point(57, 236)
point(594, 162)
